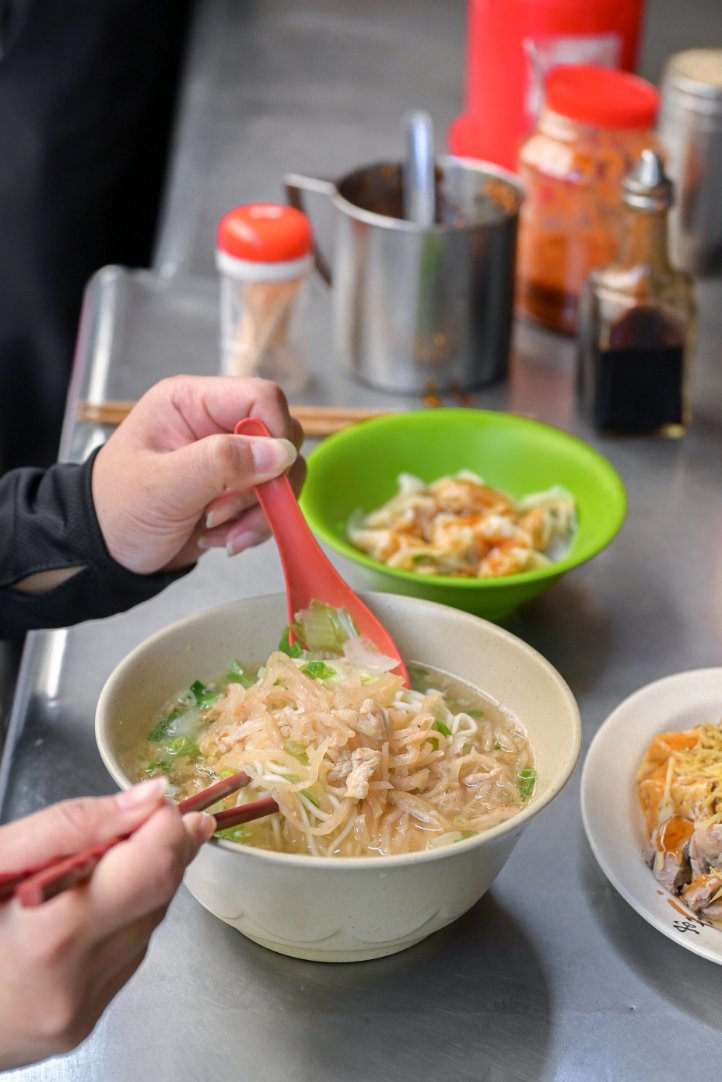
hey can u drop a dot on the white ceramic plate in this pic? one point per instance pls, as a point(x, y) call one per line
point(610, 809)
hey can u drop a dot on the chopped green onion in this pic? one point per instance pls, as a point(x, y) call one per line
point(181, 746)
point(159, 766)
point(433, 741)
point(318, 670)
point(527, 781)
point(234, 834)
point(203, 695)
point(442, 728)
point(286, 647)
point(297, 750)
point(238, 675)
point(163, 728)
point(324, 629)
point(497, 746)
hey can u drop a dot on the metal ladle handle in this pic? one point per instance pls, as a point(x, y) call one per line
point(418, 168)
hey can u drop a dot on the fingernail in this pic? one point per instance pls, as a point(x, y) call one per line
point(242, 542)
point(271, 455)
point(205, 542)
point(204, 827)
point(142, 793)
point(217, 518)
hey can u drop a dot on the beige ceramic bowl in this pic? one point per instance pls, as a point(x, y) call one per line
point(352, 908)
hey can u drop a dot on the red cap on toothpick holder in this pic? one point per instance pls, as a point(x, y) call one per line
point(258, 233)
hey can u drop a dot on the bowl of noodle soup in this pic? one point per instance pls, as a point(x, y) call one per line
point(397, 807)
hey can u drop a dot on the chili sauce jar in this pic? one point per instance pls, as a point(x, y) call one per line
point(594, 124)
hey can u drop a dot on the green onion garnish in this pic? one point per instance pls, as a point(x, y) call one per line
point(318, 670)
point(527, 781)
point(203, 695)
point(285, 645)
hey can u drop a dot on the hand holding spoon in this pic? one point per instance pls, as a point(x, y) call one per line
point(309, 574)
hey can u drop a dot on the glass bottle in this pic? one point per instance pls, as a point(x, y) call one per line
point(638, 319)
point(591, 131)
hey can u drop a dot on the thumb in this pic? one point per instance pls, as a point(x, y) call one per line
point(74, 824)
point(216, 463)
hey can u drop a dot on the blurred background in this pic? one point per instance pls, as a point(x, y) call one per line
point(125, 128)
point(123, 125)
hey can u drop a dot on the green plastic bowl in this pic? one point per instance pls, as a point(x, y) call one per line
point(357, 469)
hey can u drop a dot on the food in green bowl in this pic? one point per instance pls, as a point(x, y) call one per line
point(460, 526)
point(356, 471)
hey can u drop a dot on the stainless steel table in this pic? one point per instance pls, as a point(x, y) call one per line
point(551, 976)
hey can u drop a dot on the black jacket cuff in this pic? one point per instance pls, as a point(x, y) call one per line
point(48, 521)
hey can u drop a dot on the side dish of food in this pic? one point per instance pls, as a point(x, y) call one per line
point(460, 526)
point(650, 784)
point(680, 793)
point(359, 764)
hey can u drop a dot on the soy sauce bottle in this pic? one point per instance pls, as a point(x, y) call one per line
point(638, 320)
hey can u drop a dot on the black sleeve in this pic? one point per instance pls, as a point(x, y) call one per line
point(48, 521)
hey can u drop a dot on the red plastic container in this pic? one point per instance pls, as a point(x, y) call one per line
point(511, 44)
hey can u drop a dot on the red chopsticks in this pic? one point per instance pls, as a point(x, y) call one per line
point(244, 813)
point(38, 884)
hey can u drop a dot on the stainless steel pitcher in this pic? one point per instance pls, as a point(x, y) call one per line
point(420, 309)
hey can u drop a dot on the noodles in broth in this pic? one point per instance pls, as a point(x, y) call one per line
point(359, 764)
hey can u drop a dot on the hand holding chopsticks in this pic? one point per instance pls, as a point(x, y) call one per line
point(40, 882)
point(63, 962)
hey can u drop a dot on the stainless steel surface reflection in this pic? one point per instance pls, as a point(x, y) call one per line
point(552, 977)
point(421, 309)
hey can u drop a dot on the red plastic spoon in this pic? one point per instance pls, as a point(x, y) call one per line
point(309, 574)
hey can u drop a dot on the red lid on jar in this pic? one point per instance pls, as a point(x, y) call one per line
point(265, 233)
point(601, 96)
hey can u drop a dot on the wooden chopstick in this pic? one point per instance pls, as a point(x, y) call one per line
point(244, 813)
point(205, 798)
point(38, 884)
point(316, 420)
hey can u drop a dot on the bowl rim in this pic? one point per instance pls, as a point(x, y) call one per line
point(515, 823)
point(346, 548)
